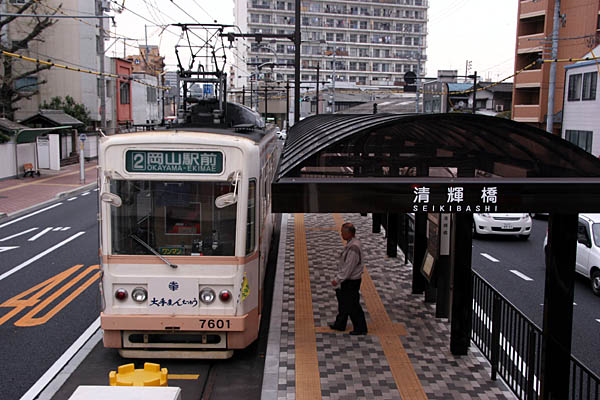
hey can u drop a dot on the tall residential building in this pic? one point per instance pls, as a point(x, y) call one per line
point(578, 33)
point(372, 42)
point(70, 41)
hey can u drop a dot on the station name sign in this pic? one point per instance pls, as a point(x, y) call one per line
point(174, 162)
point(484, 200)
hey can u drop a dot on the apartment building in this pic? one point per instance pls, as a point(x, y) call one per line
point(82, 50)
point(148, 62)
point(578, 33)
point(365, 42)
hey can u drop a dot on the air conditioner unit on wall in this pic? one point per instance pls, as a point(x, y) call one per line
point(499, 108)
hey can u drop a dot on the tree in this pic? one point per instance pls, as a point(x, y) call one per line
point(69, 106)
point(13, 84)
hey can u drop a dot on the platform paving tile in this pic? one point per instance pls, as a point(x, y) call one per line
point(356, 367)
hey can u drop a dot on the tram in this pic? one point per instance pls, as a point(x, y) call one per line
point(185, 229)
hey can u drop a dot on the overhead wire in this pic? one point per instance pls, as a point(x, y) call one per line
point(82, 70)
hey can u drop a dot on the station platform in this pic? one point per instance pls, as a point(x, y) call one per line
point(406, 354)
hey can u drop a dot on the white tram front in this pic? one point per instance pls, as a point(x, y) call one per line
point(185, 232)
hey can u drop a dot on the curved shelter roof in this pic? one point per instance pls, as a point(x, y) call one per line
point(383, 162)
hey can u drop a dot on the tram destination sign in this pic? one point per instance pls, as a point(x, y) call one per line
point(174, 161)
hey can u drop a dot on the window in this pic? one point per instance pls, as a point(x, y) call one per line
point(574, 92)
point(124, 92)
point(151, 94)
point(582, 139)
point(589, 85)
point(251, 218)
point(27, 84)
point(363, 24)
point(174, 218)
point(255, 18)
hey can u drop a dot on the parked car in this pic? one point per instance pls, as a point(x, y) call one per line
point(587, 262)
point(515, 224)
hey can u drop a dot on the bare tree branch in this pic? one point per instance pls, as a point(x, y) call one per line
point(24, 7)
point(39, 67)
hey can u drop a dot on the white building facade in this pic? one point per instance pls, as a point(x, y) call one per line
point(360, 41)
point(581, 111)
point(146, 105)
point(70, 41)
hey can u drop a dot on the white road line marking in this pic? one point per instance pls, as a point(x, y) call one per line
point(17, 234)
point(48, 229)
point(521, 275)
point(66, 228)
point(598, 320)
point(95, 190)
point(42, 254)
point(7, 248)
point(59, 364)
point(486, 255)
point(30, 215)
point(85, 194)
point(72, 198)
point(58, 228)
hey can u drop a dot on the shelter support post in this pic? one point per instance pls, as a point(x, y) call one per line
point(461, 285)
point(392, 234)
point(376, 223)
point(430, 292)
point(418, 280)
point(558, 305)
point(442, 278)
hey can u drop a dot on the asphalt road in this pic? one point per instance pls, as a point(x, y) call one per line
point(48, 287)
point(516, 269)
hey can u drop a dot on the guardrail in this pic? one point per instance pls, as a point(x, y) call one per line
point(513, 345)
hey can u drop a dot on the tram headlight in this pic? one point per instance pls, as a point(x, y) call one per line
point(121, 294)
point(139, 294)
point(225, 295)
point(207, 295)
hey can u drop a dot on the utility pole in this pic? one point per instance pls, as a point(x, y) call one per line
point(266, 100)
point(333, 87)
point(552, 83)
point(100, 12)
point(474, 91)
point(287, 104)
point(318, 66)
point(417, 83)
point(297, 42)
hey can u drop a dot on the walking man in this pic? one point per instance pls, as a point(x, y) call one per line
point(348, 278)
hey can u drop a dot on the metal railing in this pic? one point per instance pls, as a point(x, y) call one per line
point(513, 345)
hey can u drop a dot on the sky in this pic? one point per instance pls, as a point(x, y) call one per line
point(481, 31)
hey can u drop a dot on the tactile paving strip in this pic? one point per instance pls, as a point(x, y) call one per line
point(356, 367)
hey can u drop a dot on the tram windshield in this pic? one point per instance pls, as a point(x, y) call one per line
point(173, 218)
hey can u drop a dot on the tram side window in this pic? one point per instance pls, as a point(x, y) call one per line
point(251, 221)
point(173, 218)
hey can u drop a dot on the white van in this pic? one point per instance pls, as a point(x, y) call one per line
point(588, 249)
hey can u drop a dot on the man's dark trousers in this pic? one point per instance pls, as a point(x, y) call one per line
point(348, 297)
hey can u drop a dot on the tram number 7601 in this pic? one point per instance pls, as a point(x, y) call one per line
point(214, 323)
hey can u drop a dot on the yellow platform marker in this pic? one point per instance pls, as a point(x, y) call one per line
point(127, 375)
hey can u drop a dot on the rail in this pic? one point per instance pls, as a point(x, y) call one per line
point(513, 345)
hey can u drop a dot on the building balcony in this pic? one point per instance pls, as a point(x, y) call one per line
point(530, 43)
point(527, 113)
point(531, 7)
point(530, 78)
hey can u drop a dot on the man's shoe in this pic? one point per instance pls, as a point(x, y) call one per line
point(358, 333)
point(335, 328)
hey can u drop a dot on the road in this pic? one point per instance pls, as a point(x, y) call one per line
point(516, 269)
point(48, 287)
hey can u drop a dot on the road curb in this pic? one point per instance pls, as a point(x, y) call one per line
point(4, 217)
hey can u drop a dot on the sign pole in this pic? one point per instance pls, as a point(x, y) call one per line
point(82, 138)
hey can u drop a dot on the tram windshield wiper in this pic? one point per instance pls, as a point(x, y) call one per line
point(149, 248)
